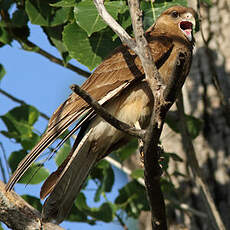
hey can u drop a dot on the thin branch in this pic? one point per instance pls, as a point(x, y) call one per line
point(20, 102)
point(28, 45)
point(122, 223)
point(52, 58)
point(101, 111)
point(17, 214)
point(143, 51)
point(213, 213)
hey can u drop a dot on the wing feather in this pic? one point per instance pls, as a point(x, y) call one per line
point(113, 75)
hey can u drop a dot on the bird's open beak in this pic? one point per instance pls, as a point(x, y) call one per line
point(186, 26)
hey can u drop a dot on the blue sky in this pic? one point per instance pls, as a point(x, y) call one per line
point(39, 82)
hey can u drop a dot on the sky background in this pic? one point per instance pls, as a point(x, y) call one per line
point(39, 82)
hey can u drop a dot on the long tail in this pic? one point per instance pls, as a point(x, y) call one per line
point(68, 183)
point(47, 139)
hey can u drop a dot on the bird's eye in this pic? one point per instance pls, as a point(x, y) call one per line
point(174, 14)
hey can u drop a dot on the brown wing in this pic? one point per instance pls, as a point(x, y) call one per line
point(113, 75)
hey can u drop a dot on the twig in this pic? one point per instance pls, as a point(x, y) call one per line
point(212, 211)
point(20, 102)
point(52, 58)
point(106, 115)
point(122, 223)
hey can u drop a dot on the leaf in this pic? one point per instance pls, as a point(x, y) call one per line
point(167, 186)
point(33, 201)
point(19, 122)
point(87, 16)
point(153, 10)
point(137, 173)
point(64, 3)
point(194, 125)
point(88, 51)
point(54, 35)
point(2, 71)
point(41, 13)
point(15, 158)
point(34, 175)
point(19, 18)
point(79, 216)
point(5, 4)
point(5, 37)
point(63, 153)
point(132, 199)
point(126, 151)
point(104, 213)
point(103, 173)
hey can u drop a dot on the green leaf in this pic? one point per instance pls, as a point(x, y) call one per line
point(88, 51)
point(2, 71)
point(152, 11)
point(64, 3)
point(167, 186)
point(104, 213)
point(87, 16)
point(1, 228)
point(19, 122)
point(6, 4)
point(5, 37)
point(126, 151)
point(103, 173)
point(19, 18)
point(54, 35)
point(33, 201)
point(63, 153)
point(194, 125)
point(132, 199)
point(137, 173)
point(79, 216)
point(34, 175)
point(41, 13)
point(15, 158)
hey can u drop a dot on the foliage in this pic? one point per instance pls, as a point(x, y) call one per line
point(75, 29)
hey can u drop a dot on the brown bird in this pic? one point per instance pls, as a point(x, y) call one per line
point(119, 85)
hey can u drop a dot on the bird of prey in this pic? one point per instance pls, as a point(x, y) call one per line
point(118, 84)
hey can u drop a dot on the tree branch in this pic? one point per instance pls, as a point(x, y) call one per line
point(17, 214)
point(106, 115)
point(213, 214)
point(52, 58)
point(20, 102)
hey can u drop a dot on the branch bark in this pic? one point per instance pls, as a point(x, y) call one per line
point(17, 214)
point(106, 115)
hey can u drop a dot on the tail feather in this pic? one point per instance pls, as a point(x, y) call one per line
point(63, 193)
point(47, 139)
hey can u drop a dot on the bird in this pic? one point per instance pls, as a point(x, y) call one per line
point(119, 85)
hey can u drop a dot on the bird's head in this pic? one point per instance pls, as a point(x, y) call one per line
point(178, 20)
